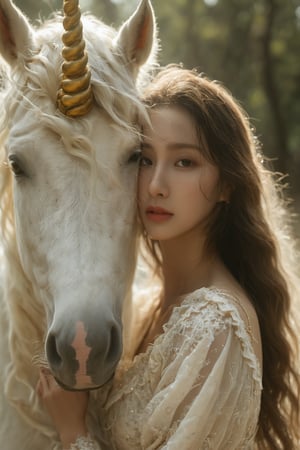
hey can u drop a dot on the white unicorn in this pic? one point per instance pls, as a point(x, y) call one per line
point(67, 183)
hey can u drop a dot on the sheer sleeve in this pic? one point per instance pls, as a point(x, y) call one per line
point(197, 387)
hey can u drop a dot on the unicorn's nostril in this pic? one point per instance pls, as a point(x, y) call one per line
point(53, 355)
point(114, 345)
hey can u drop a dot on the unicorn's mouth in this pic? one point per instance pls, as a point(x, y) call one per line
point(73, 389)
point(79, 389)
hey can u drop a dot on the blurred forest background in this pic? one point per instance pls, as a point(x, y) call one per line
point(252, 46)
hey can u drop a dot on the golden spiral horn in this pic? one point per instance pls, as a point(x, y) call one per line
point(75, 96)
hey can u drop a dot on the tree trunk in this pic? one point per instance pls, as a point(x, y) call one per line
point(271, 90)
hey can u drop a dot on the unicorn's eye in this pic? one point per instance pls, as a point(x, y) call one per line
point(134, 157)
point(15, 166)
point(144, 161)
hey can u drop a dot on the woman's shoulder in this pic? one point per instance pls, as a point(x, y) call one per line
point(212, 303)
point(210, 312)
point(213, 309)
point(219, 303)
point(203, 318)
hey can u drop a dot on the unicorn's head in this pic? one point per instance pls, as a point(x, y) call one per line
point(69, 141)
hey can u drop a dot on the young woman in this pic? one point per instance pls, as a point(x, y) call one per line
point(211, 361)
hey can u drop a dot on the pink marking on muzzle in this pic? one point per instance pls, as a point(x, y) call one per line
point(82, 351)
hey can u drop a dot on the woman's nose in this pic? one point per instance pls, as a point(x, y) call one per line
point(158, 184)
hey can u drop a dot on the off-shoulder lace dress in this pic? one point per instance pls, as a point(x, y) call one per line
point(197, 387)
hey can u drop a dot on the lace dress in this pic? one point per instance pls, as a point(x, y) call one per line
point(197, 387)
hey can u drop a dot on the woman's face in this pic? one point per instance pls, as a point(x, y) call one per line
point(178, 188)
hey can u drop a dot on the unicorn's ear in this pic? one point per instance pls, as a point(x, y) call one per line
point(16, 35)
point(136, 37)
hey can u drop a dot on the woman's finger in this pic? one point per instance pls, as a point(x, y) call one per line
point(39, 388)
point(46, 381)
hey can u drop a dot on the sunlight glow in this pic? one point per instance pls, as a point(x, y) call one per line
point(211, 2)
point(86, 4)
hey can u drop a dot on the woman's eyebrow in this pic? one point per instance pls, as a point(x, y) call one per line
point(146, 145)
point(183, 146)
point(173, 146)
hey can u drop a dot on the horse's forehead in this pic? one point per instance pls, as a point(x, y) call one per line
point(24, 130)
point(30, 134)
point(29, 121)
point(105, 132)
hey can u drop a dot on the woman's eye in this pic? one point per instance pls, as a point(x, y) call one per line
point(15, 166)
point(144, 161)
point(185, 163)
point(134, 157)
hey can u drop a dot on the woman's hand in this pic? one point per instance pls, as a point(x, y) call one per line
point(66, 408)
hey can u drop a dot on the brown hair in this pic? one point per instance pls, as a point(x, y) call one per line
point(251, 237)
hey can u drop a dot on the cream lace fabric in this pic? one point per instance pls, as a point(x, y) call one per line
point(197, 387)
point(85, 443)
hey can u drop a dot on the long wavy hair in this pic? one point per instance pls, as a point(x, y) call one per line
point(252, 237)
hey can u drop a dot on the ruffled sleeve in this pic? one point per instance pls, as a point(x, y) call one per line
point(197, 387)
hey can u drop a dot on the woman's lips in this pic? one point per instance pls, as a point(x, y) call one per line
point(157, 214)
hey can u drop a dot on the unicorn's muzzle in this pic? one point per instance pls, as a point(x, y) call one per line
point(84, 357)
